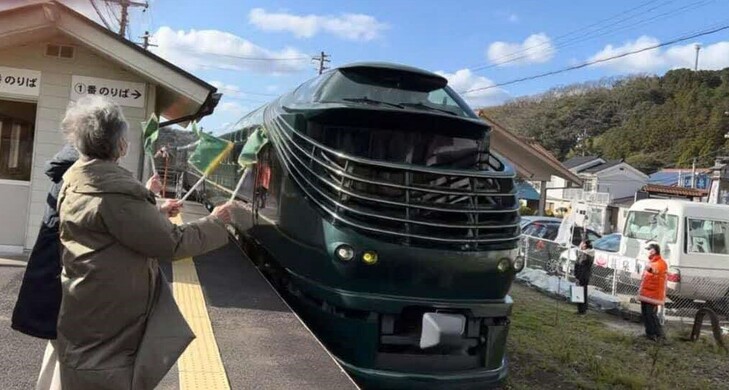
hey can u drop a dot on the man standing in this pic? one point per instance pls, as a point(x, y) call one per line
point(653, 292)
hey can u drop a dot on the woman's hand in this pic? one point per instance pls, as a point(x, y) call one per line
point(171, 207)
point(154, 184)
point(224, 212)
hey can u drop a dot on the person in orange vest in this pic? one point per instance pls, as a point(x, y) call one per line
point(653, 292)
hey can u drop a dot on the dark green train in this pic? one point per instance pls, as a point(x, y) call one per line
point(389, 226)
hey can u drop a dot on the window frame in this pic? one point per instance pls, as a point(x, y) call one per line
point(688, 239)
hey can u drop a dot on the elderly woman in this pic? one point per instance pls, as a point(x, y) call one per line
point(118, 327)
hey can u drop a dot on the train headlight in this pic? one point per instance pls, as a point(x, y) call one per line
point(504, 265)
point(519, 263)
point(344, 252)
point(369, 257)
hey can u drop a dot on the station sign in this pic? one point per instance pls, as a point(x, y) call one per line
point(16, 81)
point(124, 93)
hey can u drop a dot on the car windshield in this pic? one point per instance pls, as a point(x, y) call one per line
point(650, 225)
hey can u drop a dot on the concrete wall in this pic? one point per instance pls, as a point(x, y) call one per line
point(559, 183)
point(54, 98)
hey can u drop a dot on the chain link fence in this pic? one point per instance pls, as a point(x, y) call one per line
point(615, 282)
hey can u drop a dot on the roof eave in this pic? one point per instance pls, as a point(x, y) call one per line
point(185, 94)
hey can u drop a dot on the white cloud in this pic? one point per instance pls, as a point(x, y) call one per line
point(233, 108)
point(714, 56)
point(354, 27)
point(205, 49)
point(536, 49)
point(464, 80)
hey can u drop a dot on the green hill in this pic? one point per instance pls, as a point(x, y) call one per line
point(652, 122)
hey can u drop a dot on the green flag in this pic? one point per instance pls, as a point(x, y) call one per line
point(150, 134)
point(249, 154)
point(209, 153)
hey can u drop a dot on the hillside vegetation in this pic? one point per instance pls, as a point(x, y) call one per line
point(652, 122)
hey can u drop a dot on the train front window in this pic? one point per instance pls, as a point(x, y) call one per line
point(408, 94)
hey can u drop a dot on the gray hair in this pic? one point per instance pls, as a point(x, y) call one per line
point(95, 125)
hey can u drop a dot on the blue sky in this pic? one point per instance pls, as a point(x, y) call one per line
point(455, 38)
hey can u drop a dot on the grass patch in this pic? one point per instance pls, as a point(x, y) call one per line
point(550, 348)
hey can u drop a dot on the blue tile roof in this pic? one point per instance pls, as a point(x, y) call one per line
point(670, 178)
point(525, 191)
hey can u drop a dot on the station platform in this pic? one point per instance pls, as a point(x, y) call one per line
point(246, 335)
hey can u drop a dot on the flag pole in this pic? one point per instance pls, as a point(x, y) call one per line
point(240, 182)
point(202, 178)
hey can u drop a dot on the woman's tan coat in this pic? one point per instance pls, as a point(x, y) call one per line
point(118, 326)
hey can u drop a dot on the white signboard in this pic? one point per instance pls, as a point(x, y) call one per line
point(24, 82)
point(124, 93)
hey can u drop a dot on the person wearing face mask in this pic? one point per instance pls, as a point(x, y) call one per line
point(118, 325)
point(653, 292)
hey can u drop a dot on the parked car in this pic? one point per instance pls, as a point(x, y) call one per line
point(609, 243)
point(541, 233)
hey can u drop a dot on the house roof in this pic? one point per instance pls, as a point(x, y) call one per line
point(180, 95)
point(530, 159)
point(579, 160)
point(603, 166)
point(669, 177)
point(677, 191)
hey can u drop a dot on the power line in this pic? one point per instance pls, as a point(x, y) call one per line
point(125, 4)
point(98, 12)
point(586, 64)
point(596, 34)
point(513, 56)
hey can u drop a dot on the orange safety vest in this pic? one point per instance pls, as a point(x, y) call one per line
point(653, 285)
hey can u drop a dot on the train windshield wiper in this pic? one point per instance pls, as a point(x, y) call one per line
point(427, 107)
point(365, 99)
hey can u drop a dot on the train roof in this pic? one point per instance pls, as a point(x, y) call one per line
point(441, 81)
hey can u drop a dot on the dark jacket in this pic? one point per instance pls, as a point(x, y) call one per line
point(583, 266)
point(39, 299)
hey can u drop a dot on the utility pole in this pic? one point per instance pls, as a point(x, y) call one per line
point(125, 4)
point(696, 62)
point(693, 173)
point(145, 41)
point(323, 58)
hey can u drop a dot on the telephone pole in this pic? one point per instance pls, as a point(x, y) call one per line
point(322, 58)
point(125, 4)
point(696, 61)
point(145, 41)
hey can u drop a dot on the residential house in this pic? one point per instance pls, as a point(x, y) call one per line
point(604, 182)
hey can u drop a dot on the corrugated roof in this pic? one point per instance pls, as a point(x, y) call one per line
point(669, 177)
point(579, 160)
point(677, 191)
point(603, 166)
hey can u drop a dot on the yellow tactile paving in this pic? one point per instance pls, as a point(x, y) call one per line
point(200, 366)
